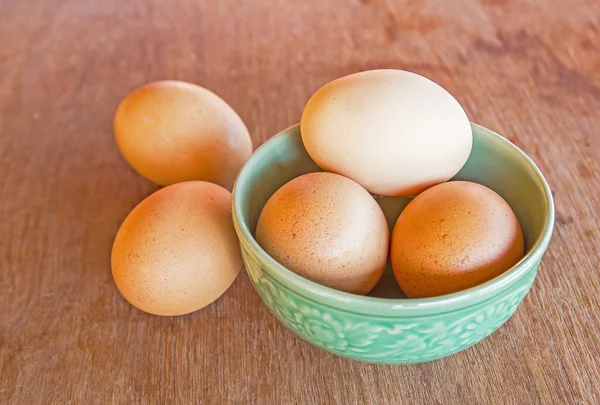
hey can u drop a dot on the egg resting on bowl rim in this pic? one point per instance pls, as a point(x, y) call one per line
point(394, 132)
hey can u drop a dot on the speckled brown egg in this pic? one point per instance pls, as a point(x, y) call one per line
point(177, 251)
point(454, 236)
point(172, 131)
point(328, 229)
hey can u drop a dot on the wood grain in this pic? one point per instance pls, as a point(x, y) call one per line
point(529, 70)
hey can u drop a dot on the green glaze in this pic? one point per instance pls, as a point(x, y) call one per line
point(394, 330)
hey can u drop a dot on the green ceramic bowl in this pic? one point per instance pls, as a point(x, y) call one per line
point(394, 330)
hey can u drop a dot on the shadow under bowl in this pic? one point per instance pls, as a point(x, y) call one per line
point(385, 327)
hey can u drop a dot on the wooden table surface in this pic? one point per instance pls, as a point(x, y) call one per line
point(529, 70)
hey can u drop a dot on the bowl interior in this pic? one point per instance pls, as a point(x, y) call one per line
point(494, 162)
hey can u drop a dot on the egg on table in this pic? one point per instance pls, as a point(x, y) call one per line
point(173, 131)
point(177, 251)
point(454, 236)
point(394, 132)
point(328, 229)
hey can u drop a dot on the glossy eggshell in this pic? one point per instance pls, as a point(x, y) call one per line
point(328, 229)
point(177, 251)
point(172, 131)
point(454, 236)
point(394, 132)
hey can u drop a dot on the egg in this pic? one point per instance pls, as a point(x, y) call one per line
point(454, 236)
point(172, 131)
point(394, 132)
point(177, 251)
point(328, 229)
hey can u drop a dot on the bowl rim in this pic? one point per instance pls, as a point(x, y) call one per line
point(384, 306)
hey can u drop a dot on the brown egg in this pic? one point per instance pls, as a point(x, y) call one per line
point(177, 251)
point(328, 229)
point(454, 236)
point(171, 131)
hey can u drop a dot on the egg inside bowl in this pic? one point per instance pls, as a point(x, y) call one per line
point(384, 327)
